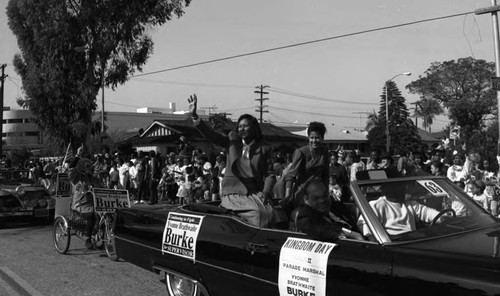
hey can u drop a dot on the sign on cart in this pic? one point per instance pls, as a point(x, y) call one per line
point(108, 200)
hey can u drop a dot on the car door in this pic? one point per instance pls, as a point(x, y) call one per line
point(221, 253)
point(359, 267)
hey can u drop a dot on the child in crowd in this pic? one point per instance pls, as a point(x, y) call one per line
point(477, 188)
point(114, 176)
point(334, 189)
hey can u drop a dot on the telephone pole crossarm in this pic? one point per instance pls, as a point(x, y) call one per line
point(261, 99)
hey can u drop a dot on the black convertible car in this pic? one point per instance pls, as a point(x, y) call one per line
point(204, 249)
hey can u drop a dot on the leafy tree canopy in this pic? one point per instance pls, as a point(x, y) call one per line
point(69, 49)
point(463, 87)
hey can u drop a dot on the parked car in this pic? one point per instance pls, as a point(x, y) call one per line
point(203, 249)
point(22, 196)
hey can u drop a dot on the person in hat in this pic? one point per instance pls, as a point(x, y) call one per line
point(249, 177)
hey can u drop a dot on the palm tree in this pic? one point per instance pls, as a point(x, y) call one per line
point(427, 109)
point(372, 121)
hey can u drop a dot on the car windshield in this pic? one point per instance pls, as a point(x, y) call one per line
point(419, 201)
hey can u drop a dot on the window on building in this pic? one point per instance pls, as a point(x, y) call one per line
point(32, 134)
point(15, 120)
point(15, 134)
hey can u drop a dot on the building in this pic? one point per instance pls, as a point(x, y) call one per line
point(349, 139)
point(157, 129)
point(163, 136)
point(20, 131)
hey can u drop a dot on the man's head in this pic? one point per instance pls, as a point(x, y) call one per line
point(394, 192)
point(375, 155)
point(334, 157)
point(477, 187)
point(317, 196)
point(386, 161)
point(475, 156)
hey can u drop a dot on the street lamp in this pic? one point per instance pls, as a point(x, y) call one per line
point(387, 135)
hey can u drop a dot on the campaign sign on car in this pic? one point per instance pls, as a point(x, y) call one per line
point(180, 235)
point(302, 269)
point(108, 200)
point(432, 187)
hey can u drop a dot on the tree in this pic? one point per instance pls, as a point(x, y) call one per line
point(372, 121)
point(464, 88)
point(220, 123)
point(61, 84)
point(19, 156)
point(427, 109)
point(403, 133)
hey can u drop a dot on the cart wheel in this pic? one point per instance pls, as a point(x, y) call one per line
point(109, 242)
point(61, 235)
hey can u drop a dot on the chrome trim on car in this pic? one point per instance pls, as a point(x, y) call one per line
point(200, 286)
point(239, 273)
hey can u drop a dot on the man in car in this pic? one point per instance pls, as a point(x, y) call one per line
point(315, 219)
point(395, 213)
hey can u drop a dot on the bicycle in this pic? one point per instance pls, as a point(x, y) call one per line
point(66, 224)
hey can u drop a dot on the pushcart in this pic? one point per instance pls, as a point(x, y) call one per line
point(69, 222)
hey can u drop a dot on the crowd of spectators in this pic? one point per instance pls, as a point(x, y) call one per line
point(189, 176)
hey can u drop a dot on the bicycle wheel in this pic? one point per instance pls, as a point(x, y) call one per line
point(109, 242)
point(61, 235)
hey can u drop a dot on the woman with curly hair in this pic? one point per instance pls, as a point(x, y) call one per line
point(308, 162)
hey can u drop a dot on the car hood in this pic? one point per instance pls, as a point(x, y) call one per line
point(483, 242)
point(27, 186)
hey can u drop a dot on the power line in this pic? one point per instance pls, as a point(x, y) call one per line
point(301, 44)
point(235, 109)
point(315, 113)
point(295, 94)
point(285, 120)
point(195, 84)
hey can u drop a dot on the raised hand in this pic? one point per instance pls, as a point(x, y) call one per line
point(193, 102)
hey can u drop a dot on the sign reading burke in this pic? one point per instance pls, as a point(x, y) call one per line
point(108, 200)
point(180, 235)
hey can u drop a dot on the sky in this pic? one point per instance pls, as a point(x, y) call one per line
point(336, 81)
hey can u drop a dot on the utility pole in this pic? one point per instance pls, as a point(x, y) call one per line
point(261, 99)
point(494, 15)
point(360, 117)
point(2, 83)
point(210, 109)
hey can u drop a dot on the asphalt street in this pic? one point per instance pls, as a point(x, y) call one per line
point(30, 266)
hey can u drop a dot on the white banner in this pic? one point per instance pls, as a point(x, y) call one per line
point(303, 266)
point(180, 235)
